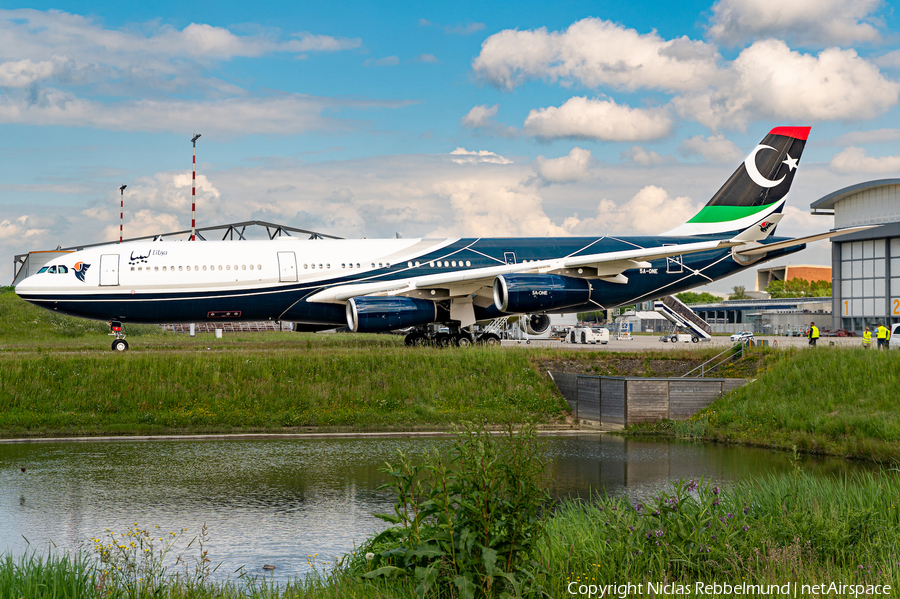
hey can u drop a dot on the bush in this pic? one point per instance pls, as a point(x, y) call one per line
point(466, 524)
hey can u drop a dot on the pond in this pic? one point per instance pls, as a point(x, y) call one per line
point(281, 501)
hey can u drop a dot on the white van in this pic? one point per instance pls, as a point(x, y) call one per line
point(579, 334)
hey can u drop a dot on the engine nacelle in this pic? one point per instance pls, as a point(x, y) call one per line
point(381, 314)
point(536, 293)
point(534, 324)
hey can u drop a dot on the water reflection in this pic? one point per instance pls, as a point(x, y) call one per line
point(280, 501)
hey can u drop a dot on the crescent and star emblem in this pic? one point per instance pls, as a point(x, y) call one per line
point(753, 171)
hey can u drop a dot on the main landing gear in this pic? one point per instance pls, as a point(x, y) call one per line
point(119, 344)
point(421, 337)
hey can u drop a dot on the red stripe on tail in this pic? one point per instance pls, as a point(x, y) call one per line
point(795, 132)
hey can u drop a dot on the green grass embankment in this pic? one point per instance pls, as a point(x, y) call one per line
point(824, 400)
point(252, 390)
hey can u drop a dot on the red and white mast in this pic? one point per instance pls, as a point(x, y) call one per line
point(121, 210)
point(194, 189)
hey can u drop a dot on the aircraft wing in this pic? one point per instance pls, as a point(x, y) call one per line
point(608, 266)
point(758, 248)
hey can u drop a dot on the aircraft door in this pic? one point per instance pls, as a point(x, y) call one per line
point(287, 267)
point(109, 270)
point(509, 257)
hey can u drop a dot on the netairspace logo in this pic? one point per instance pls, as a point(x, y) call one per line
point(702, 589)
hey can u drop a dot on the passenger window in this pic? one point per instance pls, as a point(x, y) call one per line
point(468, 263)
point(409, 265)
point(259, 266)
point(235, 267)
point(431, 264)
point(62, 269)
point(164, 269)
point(180, 268)
point(132, 269)
point(44, 269)
point(373, 265)
point(357, 265)
point(220, 267)
point(204, 267)
point(156, 268)
point(453, 264)
point(327, 265)
point(227, 267)
point(243, 267)
point(417, 265)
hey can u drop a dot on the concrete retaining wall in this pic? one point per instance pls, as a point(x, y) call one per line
point(629, 400)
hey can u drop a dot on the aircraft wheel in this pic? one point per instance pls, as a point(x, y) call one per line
point(119, 345)
point(695, 339)
point(491, 341)
point(463, 341)
point(410, 340)
point(674, 339)
point(584, 337)
point(443, 340)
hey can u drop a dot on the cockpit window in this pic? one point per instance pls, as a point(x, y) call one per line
point(52, 270)
point(61, 269)
point(43, 270)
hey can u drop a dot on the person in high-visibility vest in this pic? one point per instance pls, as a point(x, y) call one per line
point(813, 334)
point(867, 338)
point(887, 338)
point(881, 334)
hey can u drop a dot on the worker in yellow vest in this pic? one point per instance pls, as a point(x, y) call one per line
point(813, 334)
point(881, 334)
point(867, 338)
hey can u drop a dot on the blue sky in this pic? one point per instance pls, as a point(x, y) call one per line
point(470, 119)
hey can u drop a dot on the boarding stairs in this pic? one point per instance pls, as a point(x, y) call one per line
point(676, 311)
point(496, 326)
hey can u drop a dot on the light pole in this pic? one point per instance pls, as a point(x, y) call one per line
point(121, 210)
point(194, 189)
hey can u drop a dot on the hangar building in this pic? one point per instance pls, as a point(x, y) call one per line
point(865, 266)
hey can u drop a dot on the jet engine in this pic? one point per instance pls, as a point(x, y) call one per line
point(534, 324)
point(537, 293)
point(380, 314)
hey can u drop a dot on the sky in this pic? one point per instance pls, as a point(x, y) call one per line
point(454, 119)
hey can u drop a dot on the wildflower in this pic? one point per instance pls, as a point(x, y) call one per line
point(746, 528)
point(715, 490)
point(370, 556)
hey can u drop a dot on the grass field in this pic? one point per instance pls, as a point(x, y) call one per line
point(824, 400)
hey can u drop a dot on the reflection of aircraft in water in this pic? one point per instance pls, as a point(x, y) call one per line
point(381, 285)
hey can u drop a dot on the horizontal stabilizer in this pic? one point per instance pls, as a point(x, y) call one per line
point(768, 247)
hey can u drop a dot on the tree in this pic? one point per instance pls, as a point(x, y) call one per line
point(739, 292)
point(691, 297)
point(598, 316)
point(799, 288)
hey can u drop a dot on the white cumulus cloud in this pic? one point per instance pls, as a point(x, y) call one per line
point(565, 169)
point(642, 156)
point(598, 119)
point(817, 22)
point(464, 156)
point(595, 52)
point(769, 80)
point(857, 160)
point(715, 148)
point(633, 216)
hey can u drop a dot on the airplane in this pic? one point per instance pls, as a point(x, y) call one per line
point(378, 285)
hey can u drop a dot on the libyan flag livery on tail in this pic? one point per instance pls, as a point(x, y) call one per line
point(756, 192)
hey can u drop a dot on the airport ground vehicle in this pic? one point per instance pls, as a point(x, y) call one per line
point(583, 334)
point(742, 336)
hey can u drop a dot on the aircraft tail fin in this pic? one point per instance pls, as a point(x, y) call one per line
point(751, 201)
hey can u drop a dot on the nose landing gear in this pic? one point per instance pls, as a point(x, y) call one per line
point(119, 344)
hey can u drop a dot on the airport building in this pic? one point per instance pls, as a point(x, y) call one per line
point(865, 265)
